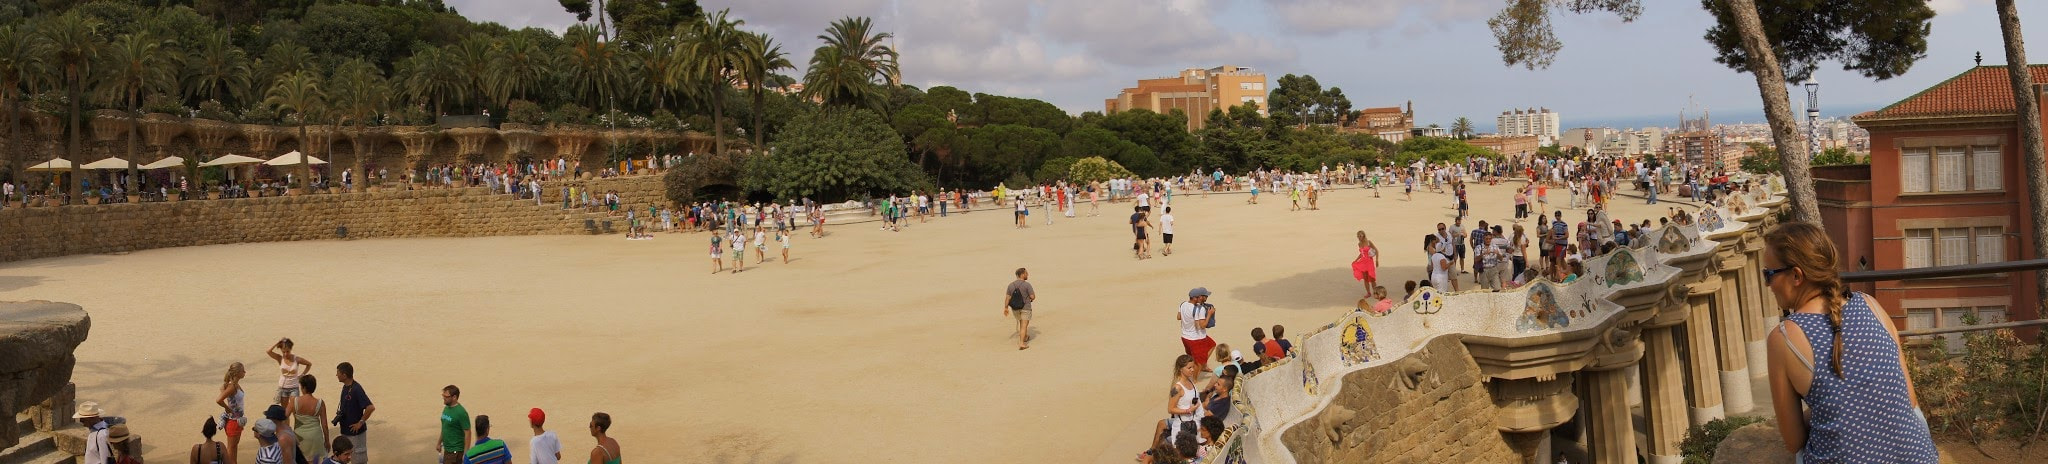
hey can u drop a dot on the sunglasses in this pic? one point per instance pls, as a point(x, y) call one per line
point(1769, 273)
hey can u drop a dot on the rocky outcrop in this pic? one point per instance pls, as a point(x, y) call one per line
point(37, 339)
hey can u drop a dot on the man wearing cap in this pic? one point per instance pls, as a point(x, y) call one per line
point(97, 449)
point(354, 416)
point(1194, 326)
point(273, 445)
point(545, 448)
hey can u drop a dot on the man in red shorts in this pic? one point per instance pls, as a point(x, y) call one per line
point(1194, 327)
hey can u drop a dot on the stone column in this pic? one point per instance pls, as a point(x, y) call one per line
point(1701, 363)
point(1613, 432)
point(1758, 312)
point(1732, 343)
point(1664, 414)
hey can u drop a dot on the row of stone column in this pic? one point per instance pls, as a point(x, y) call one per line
point(1729, 315)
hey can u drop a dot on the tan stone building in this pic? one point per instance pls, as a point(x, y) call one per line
point(1512, 146)
point(1195, 92)
point(1392, 123)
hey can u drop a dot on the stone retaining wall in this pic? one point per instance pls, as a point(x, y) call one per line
point(33, 233)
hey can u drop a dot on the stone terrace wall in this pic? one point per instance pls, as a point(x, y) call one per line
point(634, 191)
point(1381, 414)
point(32, 233)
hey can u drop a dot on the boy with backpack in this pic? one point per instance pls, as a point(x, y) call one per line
point(1017, 303)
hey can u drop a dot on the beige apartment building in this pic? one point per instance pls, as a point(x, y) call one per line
point(1195, 92)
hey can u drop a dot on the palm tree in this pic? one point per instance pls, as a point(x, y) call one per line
point(280, 59)
point(431, 76)
point(473, 58)
point(594, 70)
point(854, 58)
point(658, 67)
point(518, 66)
point(1462, 128)
point(135, 64)
point(74, 44)
point(218, 67)
point(360, 92)
point(719, 48)
point(24, 57)
point(764, 57)
point(298, 92)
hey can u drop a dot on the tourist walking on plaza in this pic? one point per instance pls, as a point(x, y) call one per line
point(1838, 356)
point(544, 448)
point(486, 450)
point(209, 451)
point(1366, 268)
point(1196, 317)
point(1017, 300)
point(354, 416)
point(230, 401)
point(607, 450)
point(738, 242)
point(717, 254)
point(309, 419)
point(1140, 247)
point(1022, 211)
point(290, 367)
point(1166, 231)
point(454, 426)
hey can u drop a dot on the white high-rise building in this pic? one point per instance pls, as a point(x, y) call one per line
point(1540, 122)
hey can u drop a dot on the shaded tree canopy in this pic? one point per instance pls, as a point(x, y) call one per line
point(1879, 39)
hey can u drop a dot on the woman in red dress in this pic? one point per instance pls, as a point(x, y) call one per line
point(1366, 268)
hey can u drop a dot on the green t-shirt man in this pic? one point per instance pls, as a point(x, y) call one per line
point(454, 422)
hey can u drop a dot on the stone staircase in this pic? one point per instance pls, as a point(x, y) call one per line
point(35, 447)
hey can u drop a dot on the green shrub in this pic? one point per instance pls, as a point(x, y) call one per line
point(570, 113)
point(1700, 440)
point(212, 109)
point(525, 112)
point(160, 103)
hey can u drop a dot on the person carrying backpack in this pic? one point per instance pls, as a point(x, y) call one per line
point(1017, 303)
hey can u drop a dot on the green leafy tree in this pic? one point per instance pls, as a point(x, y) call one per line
point(1439, 149)
point(644, 21)
point(1099, 142)
point(1762, 159)
point(24, 60)
point(764, 58)
point(1333, 107)
point(1096, 169)
point(73, 44)
point(472, 60)
point(658, 58)
point(1054, 170)
point(299, 92)
point(360, 93)
point(1462, 128)
point(217, 67)
point(719, 50)
point(593, 68)
point(1001, 151)
point(1165, 134)
point(835, 153)
point(845, 71)
point(1294, 100)
point(520, 67)
point(433, 78)
point(136, 64)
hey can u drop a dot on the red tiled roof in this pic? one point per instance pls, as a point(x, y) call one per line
point(1384, 109)
point(1979, 91)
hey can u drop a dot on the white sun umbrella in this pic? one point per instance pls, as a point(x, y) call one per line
point(230, 160)
point(167, 162)
point(59, 164)
point(109, 163)
point(292, 159)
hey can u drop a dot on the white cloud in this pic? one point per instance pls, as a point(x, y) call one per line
point(1324, 17)
point(1943, 7)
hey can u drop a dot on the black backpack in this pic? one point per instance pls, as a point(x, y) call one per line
point(1017, 300)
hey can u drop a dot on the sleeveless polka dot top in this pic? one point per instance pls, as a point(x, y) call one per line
point(1864, 416)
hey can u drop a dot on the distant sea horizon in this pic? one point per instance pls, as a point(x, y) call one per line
point(1735, 116)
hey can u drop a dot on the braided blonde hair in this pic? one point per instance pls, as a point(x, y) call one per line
point(1808, 248)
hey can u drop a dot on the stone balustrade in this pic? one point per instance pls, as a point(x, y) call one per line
point(1679, 315)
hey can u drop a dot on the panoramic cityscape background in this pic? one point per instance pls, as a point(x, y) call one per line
point(1438, 53)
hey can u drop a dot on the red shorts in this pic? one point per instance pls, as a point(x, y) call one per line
point(1199, 349)
point(234, 429)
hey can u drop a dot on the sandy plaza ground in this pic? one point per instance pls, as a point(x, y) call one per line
point(870, 346)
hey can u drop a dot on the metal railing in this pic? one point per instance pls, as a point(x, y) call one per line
point(1936, 272)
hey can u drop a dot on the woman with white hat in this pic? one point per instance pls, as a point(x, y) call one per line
point(97, 449)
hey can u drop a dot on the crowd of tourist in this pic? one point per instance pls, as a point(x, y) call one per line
point(299, 426)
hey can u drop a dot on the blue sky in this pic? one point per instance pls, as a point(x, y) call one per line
point(1437, 53)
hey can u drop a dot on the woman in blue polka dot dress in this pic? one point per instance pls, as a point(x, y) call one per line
point(1839, 358)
